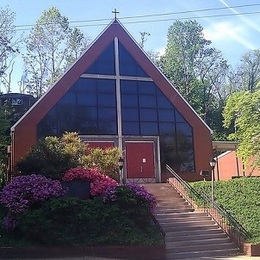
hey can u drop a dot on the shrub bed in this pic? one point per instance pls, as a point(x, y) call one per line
point(241, 197)
point(36, 210)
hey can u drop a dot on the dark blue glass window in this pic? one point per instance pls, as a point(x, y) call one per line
point(179, 117)
point(105, 86)
point(127, 64)
point(166, 115)
point(69, 99)
point(131, 128)
point(90, 99)
point(157, 116)
point(149, 128)
point(129, 101)
point(130, 114)
point(167, 128)
point(129, 87)
point(184, 128)
point(83, 109)
point(147, 101)
point(148, 114)
point(163, 102)
point(105, 63)
point(147, 88)
point(107, 113)
point(106, 100)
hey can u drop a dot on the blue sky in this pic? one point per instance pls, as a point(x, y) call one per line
point(229, 32)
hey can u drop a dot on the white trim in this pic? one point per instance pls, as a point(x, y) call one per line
point(100, 76)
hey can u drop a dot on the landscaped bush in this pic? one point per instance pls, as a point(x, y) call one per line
point(99, 182)
point(71, 221)
point(35, 209)
point(3, 174)
point(241, 198)
point(24, 191)
point(52, 156)
point(104, 159)
point(135, 203)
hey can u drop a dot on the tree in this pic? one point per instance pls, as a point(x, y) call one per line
point(51, 47)
point(8, 47)
point(197, 70)
point(249, 70)
point(143, 38)
point(243, 112)
point(184, 47)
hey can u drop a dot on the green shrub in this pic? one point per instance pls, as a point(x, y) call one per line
point(106, 160)
point(3, 174)
point(241, 198)
point(71, 221)
point(52, 156)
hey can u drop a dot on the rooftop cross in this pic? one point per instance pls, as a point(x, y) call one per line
point(115, 12)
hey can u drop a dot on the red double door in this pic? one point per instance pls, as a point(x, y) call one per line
point(140, 160)
point(138, 156)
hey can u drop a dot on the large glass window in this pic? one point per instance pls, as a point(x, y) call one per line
point(147, 111)
point(105, 63)
point(127, 65)
point(89, 107)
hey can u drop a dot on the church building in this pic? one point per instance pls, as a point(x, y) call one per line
point(114, 95)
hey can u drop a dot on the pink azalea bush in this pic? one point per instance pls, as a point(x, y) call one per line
point(99, 182)
point(24, 191)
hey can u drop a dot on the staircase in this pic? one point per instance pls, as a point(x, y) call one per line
point(189, 234)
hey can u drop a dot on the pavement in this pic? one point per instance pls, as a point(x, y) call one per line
point(240, 257)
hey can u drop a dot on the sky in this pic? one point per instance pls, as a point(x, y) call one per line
point(231, 25)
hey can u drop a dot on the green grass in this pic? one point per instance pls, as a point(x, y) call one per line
point(241, 198)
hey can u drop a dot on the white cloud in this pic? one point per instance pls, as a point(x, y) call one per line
point(226, 32)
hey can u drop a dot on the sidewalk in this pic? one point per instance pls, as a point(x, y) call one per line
point(241, 257)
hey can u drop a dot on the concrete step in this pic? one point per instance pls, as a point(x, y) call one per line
point(195, 222)
point(165, 210)
point(202, 241)
point(185, 215)
point(173, 206)
point(175, 219)
point(194, 232)
point(183, 228)
point(189, 234)
point(201, 247)
point(202, 254)
point(171, 203)
point(170, 200)
point(171, 237)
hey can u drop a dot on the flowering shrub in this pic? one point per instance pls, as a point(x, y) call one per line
point(139, 192)
point(24, 191)
point(10, 221)
point(99, 182)
point(142, 192)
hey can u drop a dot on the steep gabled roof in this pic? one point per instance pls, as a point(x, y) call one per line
point(114, 29)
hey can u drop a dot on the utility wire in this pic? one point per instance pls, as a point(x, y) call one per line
point(97, 21)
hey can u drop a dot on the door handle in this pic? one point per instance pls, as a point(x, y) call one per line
point(141, 168)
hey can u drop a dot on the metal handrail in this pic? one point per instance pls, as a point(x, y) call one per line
point(222, 217)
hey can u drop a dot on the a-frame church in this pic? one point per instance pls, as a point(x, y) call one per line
point(114, 95)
